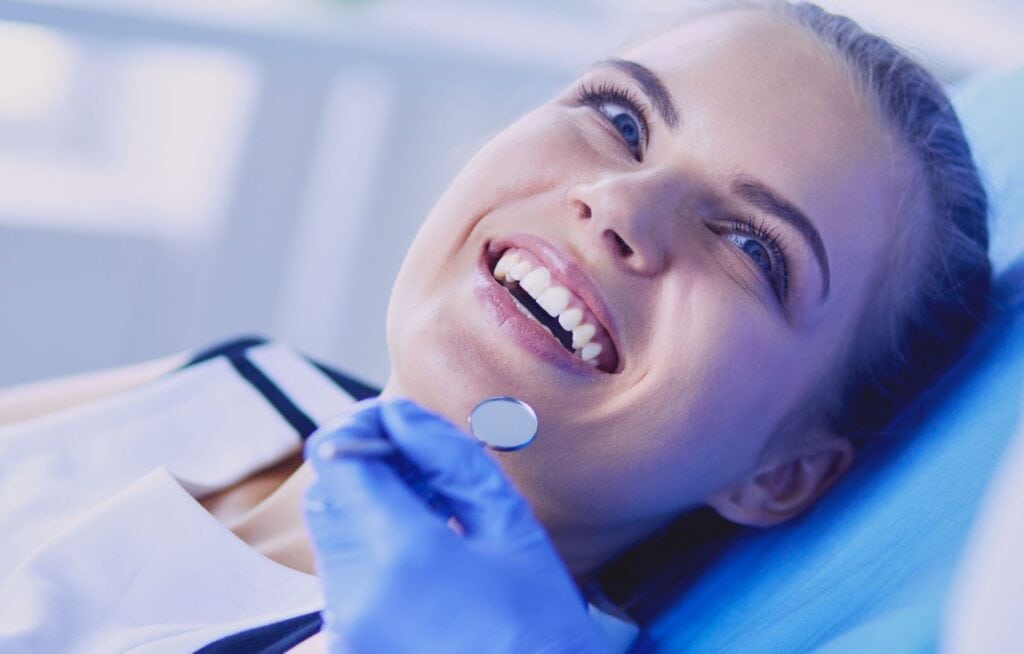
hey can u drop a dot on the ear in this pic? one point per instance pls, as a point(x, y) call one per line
point(781, 489)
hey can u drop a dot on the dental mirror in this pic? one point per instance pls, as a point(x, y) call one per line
point(503, 423)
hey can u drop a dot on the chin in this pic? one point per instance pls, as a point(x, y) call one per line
point(431, 364)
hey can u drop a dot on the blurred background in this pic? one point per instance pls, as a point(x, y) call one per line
point(176, 172)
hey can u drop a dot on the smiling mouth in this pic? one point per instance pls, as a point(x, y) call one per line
point(542, 298)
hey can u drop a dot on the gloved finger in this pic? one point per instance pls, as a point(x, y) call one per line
point(359, 507)
point(358, 502)
point(368, 441)
point(487, 504)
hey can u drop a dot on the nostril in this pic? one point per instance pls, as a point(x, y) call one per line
point(624, 249)
point(585, 212)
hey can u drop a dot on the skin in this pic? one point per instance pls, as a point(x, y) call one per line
point(715, 402)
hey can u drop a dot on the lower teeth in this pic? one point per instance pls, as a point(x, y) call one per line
point(526, 312)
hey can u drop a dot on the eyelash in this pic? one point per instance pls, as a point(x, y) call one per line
point(769, 238)
point(595, 96)
point(609, 93)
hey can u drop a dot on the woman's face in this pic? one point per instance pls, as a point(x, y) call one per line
point(717, 202)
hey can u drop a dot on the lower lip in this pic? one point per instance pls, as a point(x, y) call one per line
point(529, 334)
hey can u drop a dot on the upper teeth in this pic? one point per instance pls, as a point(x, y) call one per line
point(570, 318)
point(504, 264)
point(518, 270)
point(554, 299)
point(536, 281)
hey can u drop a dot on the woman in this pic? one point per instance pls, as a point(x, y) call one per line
point(757, 235)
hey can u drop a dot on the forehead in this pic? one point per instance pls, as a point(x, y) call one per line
point(761, 97)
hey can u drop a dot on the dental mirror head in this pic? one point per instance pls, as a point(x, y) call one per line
point(503, 423)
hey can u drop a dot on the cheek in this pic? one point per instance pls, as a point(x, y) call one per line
point(539, 154)
point(722, 351)
point(717, 383)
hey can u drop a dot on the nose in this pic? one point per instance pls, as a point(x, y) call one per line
point(632, 215)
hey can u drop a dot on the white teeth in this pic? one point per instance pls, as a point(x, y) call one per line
point(590, 351)
point(582, 335)
point(569, 319)
point(519, 270)
point(536, 282)
point(506, 262)
point(523, 310)
point(554, 300)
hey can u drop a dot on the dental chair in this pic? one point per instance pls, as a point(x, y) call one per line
point(871, 567)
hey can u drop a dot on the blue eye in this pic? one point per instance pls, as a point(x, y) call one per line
point(622, 111)
point(755, 250)
point(765, 247)
point(625, 123)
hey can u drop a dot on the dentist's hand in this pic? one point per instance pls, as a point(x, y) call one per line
point(397, 579)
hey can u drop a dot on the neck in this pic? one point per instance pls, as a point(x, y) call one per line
point(392, 388)
point(583, 548)
point(275, 528)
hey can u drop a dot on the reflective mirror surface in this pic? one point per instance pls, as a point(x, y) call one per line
point(503, 423)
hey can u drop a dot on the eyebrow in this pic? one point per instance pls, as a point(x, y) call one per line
point(759, 195)
point(749, 189)
point(652, 86)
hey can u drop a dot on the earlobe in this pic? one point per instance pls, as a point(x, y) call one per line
point(781, 490)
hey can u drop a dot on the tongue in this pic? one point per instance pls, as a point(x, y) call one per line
point(564, 337)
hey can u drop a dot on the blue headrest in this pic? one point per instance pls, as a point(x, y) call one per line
point(867, 569)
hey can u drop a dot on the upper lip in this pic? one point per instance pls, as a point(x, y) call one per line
point(570, 274)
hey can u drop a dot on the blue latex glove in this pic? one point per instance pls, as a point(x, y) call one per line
point(398, 579)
